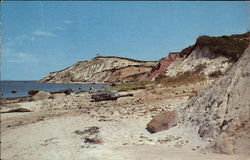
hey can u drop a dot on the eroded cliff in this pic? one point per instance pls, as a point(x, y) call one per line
point(208, 59)
point(221, 113)
point(101, 69)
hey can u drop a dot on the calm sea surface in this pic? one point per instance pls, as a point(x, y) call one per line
point(22, 87)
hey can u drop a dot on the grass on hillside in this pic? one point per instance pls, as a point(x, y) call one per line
point(180, 80)
point(130, 86)
point(226, 46)
point(229, 46)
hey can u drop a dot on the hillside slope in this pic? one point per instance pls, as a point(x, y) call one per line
point(160, 68)
point(207, 59)
point(100, 69)
point(221, 113)
point(210, 57)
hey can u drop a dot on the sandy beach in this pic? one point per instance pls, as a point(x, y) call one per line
point(135, 80)
point(73, 127)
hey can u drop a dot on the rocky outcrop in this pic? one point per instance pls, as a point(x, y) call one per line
point(209, 57)
point(221, 113)
point(102, 69)
point(200, 61)
point(32, 92)
point(41, 95)
point(162, 122)
point(160, 68)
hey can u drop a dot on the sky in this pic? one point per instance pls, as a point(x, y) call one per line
point(41, 37)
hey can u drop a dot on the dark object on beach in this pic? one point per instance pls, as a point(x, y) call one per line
point(113, 84)
point(107, 96)
point(91, 90)
point(82, 91)
point(89, 131)
point(92, 140)
point(15, 100)
point(65, 91)
point(14, 91)
point(139, 87)
point(32, 92)
point(17, 110)
point(162, 122)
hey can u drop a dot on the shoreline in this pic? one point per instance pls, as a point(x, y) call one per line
point(38, 81)
point(77, 87)
point(73, 124)
point(89, 83)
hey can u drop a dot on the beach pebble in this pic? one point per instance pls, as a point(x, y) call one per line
point(58, 95)
point(41, 95)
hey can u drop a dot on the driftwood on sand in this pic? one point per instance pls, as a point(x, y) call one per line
point(65, 91)
point(107, 96)
point(17, 110)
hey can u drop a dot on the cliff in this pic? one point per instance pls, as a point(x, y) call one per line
point(160, 68)
point(221, 113)
point(208, 59)
point(101, 69)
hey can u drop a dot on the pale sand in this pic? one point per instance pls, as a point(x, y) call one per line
point(49, 131)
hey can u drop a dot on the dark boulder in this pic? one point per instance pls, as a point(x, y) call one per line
point(65, 91)
point(32, 92)
point(113, 84)
point(107, 96)
point(162, 122)
point(14, 91)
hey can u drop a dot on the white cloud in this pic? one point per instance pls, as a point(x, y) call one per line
point(43, 33)
point(24, 57)
point(21, 37)
point(59, 28)
point(67, 22)
point(21, 57)
point(62, 24)
point(17, 40)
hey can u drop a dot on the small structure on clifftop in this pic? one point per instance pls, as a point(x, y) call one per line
point(98, 55)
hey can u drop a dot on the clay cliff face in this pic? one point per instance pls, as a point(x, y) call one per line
point(160, 68)
point(209, 58)
point(221, 113)
point(101, 69)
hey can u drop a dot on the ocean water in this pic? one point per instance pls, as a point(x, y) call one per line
point(22, 87)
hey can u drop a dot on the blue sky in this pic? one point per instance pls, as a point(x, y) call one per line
point(41, 37)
